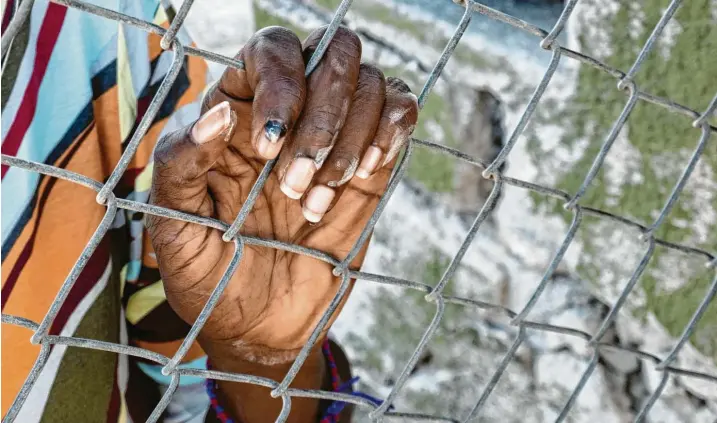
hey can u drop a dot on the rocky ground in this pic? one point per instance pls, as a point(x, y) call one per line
point(422, 229)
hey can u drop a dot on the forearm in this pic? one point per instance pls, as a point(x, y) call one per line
point(249, 403)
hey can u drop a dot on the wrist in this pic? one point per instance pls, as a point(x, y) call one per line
point(248, 403)
point(239, 351)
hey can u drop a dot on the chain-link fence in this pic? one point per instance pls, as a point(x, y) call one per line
point(548, 41)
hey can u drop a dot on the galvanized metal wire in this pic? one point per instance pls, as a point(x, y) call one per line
point(547, 40)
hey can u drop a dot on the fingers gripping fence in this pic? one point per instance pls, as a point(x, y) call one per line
point(548, 41)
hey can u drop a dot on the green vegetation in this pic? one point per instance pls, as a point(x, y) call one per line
point(433, 169)
point(262, 19)
point(329, 4)
point(389, 16)
point(400, 317)
point(664, 141)
point(403, 315)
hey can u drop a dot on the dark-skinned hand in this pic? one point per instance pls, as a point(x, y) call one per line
point(336, 134)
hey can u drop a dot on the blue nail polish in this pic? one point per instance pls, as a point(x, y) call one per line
point(274, 130)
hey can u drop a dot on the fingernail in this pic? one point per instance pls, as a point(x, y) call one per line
point(270, 142)
point(273, 130)
point(216, 121)
point(317, 203)
point(369, 162)
point(297, 177)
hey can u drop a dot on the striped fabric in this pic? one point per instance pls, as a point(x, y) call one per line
point(74, 88)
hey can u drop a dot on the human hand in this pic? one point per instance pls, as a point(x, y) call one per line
point(336, 134)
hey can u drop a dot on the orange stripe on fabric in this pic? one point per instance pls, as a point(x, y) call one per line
point(168, 349)
point(68, 220)
point(153, 43)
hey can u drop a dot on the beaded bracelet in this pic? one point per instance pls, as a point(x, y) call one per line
point(211, 387)
point(331, 415)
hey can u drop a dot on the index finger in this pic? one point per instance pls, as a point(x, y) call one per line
point(273, 82)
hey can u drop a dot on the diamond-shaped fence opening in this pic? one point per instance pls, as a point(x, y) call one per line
point(547, 40)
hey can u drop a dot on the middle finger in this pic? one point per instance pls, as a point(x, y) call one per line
point(330, 90)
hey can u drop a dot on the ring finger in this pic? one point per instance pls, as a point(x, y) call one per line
point(355, 136)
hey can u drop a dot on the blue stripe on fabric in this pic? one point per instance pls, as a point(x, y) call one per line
point(155, 372)
point(64, 93)
point(103, 81)
point(133, 268)
point(107, 56)
point(180, 86)
point(8, 194)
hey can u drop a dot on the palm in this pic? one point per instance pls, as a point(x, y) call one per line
point(271, 288)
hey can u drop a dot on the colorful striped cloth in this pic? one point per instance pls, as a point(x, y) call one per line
point(74, 87)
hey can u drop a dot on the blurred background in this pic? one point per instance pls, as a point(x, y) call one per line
point(475, 107)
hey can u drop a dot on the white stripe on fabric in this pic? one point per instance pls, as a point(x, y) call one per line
point(37, 15)
point(123, 370)
point(32, 410)
point(136, 43)
point(126, 96)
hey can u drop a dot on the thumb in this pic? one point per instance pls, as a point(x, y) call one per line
point(183, 158)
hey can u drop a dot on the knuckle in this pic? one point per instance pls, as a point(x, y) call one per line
point(276, 42)
point(347, 43)
point(347, 37)
point(340, 169)
point(325, 114)
point(371, 72)
point(289, 85)
point(342, 163)
point(174, 158)
point(162, 154)
point(322, 119)
point(371, 80)
point(315, 36)
point(403, 109)
point(274, 36)
point(397, 84)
